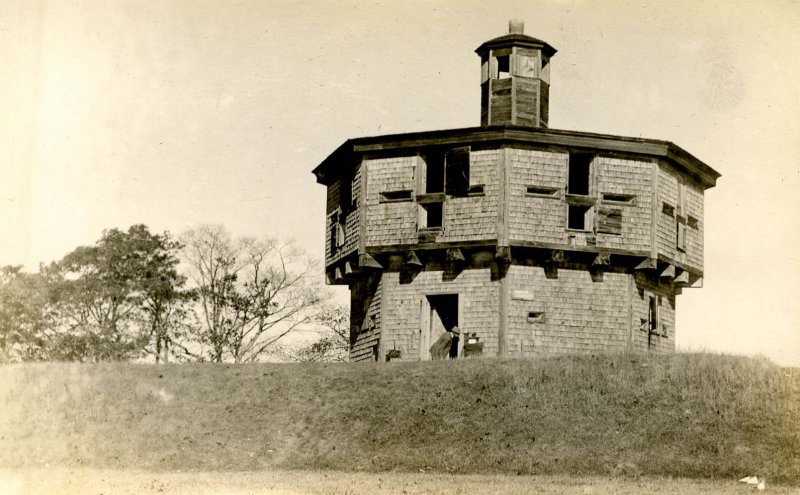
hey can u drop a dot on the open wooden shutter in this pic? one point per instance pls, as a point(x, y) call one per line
point(457, 171)
point(681, 241)
point(609, 220)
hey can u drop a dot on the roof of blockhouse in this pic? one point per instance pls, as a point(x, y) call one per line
point(516, 39)
point(327, 171)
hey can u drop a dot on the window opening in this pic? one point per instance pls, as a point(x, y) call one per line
point(395, 196)
point(456, 164)
point(618, 198)
point(652, 316)
point(692, 222)
point(434, 172)
point(579, 170)
point(346, 202)
point(334, 233)
point(535, 316)
point(432, 215)
point(503, 67)
point(579, 217)
point(668, 209)
point(549, 192)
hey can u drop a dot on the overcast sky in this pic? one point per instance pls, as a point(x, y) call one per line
point(175, 113)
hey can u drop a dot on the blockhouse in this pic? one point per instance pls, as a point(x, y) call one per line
point(525, 240)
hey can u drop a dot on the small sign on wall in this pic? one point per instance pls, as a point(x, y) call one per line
point(522, 295)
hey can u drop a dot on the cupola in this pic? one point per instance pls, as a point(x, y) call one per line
point(515, 79)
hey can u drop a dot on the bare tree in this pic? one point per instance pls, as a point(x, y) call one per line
point(251, 293)
point(333, 343)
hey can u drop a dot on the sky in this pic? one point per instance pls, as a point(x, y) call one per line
point(177, 113)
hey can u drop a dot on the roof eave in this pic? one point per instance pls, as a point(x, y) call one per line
point(322, 171)
point(706, 175)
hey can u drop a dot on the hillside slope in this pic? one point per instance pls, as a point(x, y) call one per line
point(691, 415)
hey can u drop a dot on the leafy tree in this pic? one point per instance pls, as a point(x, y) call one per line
point(26, 315)
point(251, 293)
point(119, 295)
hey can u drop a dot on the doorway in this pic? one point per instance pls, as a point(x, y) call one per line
point(439, 316)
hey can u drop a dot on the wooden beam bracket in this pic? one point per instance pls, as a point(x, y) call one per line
point(503, 253)
point(648, 264)
point(368, 261)
point(412, 261)
point(557, 256)
point(602, 259)
point(682, 278)
point(455, 255)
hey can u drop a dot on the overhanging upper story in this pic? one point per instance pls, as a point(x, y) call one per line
point(520, 187)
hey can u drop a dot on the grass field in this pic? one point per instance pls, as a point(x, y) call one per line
point(688, 416)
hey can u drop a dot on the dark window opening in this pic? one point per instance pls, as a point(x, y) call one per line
point(692, 222)
point(668, 209)
point(346, 202)
point(456, 164)
point(652, 316)
point(550, 192)
point(535, 317)
point(394, 196)
point(334, 234)
point(432, 213)
point(434, 172)
point(579, 173)
point(447, 172)
point(503, 67)
point(337, 232)
point(618, 198)
point(578, 217)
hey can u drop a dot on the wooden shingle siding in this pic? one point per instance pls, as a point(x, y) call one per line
point(467, 218)
point(631, 177)
point(531, 218)
point(365, 315)
point(390, 223)
point(351, 217)
point(666, 233)
point(474, 218)
point(584, 315)
point(580, 315)
point(694, 235)
point(666, 228)
point(332, 202)
point(403, 306)
point(642, 339)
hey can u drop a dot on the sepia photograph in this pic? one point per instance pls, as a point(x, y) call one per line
point(374, 247)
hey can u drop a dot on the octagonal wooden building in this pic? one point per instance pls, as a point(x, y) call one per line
point(525, 240)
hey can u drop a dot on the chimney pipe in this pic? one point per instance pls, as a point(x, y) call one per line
point(515, 26)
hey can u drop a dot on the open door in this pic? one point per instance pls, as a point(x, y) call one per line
point(439, 314)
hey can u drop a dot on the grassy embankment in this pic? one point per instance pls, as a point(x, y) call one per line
point(692, 415)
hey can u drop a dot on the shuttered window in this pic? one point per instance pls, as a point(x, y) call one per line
point(609, 220)
point(681, 235)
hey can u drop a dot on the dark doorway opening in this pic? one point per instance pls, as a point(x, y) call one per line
point(441, 338)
